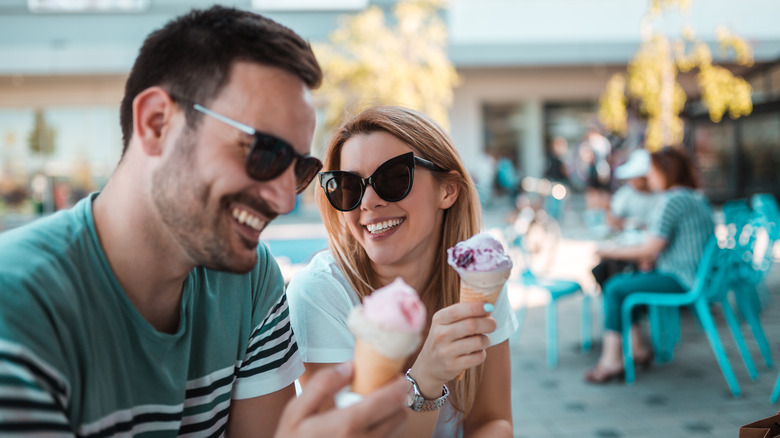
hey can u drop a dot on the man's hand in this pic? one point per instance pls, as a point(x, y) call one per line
point(380, 414)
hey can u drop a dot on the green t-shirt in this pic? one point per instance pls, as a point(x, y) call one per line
point(77, 358)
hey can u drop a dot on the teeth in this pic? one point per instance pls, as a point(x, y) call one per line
point(246, 218)
point(381, 227)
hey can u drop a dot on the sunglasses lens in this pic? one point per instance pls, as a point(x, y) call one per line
point(268, 157)
point(305, 171)
point(392, 182)
point(343, 190)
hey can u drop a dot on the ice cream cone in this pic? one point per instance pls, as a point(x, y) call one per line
point(372, 369)
point(470, 293)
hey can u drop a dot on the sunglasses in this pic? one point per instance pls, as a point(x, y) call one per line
point(392, 181)
point(269, 155)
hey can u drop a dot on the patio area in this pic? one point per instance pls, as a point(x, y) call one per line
point(685, 397)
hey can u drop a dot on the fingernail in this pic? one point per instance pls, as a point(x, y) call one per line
point(488, 307)
point(344, 368)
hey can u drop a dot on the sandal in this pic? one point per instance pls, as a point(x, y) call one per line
point(600, 375)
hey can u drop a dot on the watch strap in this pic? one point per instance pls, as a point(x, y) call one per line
point(418, 403)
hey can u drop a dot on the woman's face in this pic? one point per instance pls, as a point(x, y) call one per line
point(656, 179)
point(402, 232)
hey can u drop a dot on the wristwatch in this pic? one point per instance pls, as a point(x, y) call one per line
point(416, 402)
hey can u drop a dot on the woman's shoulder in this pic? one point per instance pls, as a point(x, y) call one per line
point(322, 274)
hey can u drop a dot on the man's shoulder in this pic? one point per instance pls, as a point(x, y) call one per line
point(42, 240)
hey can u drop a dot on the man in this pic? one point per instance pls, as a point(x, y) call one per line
point(149, 309)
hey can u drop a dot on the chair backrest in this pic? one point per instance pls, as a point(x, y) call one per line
point(765, 205)
point(712, 270)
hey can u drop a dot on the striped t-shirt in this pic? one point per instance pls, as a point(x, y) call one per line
point(684, 219)
point(77, 358)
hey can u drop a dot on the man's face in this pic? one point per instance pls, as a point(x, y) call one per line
point(207, 202)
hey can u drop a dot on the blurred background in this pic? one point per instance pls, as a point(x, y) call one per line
point(522, 85)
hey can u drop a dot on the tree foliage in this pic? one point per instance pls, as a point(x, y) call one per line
point(400, 60)
point(651, 80)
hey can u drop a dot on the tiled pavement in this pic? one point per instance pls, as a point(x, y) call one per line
point(686, 397)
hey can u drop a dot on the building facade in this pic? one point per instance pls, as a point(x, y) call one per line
point(531, 71)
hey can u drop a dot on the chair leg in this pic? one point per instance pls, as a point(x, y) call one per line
point(586, 324)
point(749, 305)
point(708, 324)
point(736, 333)
point(628, 352)
point(776, 391)
point(552, 334)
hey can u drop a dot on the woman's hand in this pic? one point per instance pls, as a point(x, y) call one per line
point(456, 341)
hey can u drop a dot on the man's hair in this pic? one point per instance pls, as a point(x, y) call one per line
point(191, 57)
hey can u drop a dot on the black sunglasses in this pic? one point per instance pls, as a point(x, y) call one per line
point(269, 155)
point(391, 181)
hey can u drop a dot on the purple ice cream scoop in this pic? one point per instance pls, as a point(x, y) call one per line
point(481, 253)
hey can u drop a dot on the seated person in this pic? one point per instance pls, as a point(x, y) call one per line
point(630, 208)
point(667, 259)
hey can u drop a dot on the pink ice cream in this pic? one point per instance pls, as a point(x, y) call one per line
point(480, 253)
point(390, 319)
point(395, 307)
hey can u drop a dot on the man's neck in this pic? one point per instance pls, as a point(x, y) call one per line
point(149, 266)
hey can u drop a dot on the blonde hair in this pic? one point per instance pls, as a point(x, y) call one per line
point(462, 220)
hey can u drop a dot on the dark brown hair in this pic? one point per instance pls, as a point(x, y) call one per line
point(191, 57)
point(677, 167)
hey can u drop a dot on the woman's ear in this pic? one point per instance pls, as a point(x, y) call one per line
point(152, 111)
point(449, 190)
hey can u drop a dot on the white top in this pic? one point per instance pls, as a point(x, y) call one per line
point(633, 205)
point(320, 299)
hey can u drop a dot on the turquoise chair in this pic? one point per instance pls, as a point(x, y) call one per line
point(710, 274)
point(557, 289)
point(750, 262)
point(776, 391)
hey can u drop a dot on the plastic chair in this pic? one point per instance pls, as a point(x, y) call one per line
point(710, 274)
point(776, 392)
point(557, 289)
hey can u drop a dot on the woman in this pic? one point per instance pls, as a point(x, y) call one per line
point(395, 197)
point(678, 230)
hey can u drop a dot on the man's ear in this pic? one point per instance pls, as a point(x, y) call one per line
point(450, 190)
point(152, 112)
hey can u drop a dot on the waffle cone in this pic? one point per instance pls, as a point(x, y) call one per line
point(470, 293)
point(373, 370)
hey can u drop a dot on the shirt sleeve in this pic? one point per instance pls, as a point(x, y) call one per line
point(34, 395)
point(271, 361)
point(319, 307)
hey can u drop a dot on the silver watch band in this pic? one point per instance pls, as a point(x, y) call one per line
point(416, 402)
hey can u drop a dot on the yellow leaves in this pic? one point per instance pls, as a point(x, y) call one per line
point(658, 6)
point(727, 39)
point(722, 91)
point(612, 104)
point(368, 62)
point(652, 81)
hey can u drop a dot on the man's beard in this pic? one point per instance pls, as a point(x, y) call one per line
point(201, 229)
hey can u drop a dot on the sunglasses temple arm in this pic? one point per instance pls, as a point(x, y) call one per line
point(248, 129)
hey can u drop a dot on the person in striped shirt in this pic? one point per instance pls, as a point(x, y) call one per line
point(149, 308)
point(679, 228)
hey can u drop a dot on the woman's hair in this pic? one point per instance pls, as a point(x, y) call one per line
point(462, 220)
point(676, 166)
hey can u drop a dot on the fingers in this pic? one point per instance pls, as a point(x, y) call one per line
point(382, 411)
point(322, 387)
point(460, 311)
